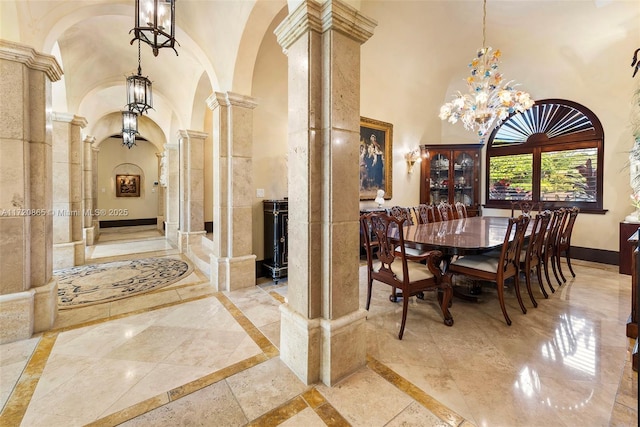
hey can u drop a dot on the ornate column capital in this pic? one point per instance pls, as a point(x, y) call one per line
point(331, 15)
point(24, 54)
point(228, 99)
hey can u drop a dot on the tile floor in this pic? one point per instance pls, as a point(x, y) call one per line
point(185, 355)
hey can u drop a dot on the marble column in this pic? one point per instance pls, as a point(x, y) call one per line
point(233, 265)
point(28, 290)
point(192, 187)
point(68, 217)
point(322, 328)
point(172, 193)
point(87, 178)
point(95, 216)
point(160, 189)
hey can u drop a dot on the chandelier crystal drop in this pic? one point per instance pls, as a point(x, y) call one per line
point(489, 98)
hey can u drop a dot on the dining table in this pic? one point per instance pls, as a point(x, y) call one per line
point(459, 237)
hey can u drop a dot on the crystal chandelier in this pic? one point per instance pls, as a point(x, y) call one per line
point(488, 98)
point(155, 24)
point(129, 128)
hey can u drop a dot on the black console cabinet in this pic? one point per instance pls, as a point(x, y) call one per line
point(276, 221)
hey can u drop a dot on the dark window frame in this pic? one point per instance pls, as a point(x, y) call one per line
point(538, 143)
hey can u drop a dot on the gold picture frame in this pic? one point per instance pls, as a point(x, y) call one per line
point(127, 185)
point(376, 158)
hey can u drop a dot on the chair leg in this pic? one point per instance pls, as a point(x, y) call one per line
point(445, 298)
point(405, 307)
point(546, 273)
point(527, 277)
point(500, 287)
point(558, 261)
point(554, 261)
point(539, 276)
point(516, 280)
point(369, 293)
point(568, 256)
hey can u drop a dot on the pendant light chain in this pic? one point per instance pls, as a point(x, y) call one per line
point(484, 24)
point(139, 67)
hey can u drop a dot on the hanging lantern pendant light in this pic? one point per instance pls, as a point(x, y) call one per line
point(155, 24)
point(129, 128)
point(139, 95)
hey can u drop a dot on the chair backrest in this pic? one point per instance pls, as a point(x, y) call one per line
point(557, 220)
point(510, 253)
point(526, 207)
point(401, 213)
point(536, 238)
point(461, 210)
point(446, 211)
point(382, 228)
point(422, 213)
point(564, 235)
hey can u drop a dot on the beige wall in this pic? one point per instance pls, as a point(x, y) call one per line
point(417, 59)
point(114, 158)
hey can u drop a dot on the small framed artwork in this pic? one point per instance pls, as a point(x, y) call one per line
point(376, 139)
point(127, 185)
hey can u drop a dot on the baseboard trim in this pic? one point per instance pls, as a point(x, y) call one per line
point(128, 222)
point(595, 255)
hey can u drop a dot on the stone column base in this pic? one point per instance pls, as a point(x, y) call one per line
point(45, 306)
point(160, 223)
point(344, 346)
point(24, 313)
point(171, 232)
point(96, 230)
point(320, 349)
point(228, 274)
point(300, 344)
point(188, 238)
point(68, 254)
point(89, 235)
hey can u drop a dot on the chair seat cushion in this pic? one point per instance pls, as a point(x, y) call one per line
point(417, 271)
point(478, 262)
point(412, 252)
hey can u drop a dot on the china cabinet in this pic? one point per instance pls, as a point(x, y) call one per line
point(451, 173)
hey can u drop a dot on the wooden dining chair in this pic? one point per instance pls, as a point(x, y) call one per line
point(563, 244)
point(445, 210)
point(524, 207)
point(549, 249)
point(397, 270)
point(404, 215)
point(498, 269)
point(461, 210)
point(424, 212)
point(401, 213)
point(531, 255)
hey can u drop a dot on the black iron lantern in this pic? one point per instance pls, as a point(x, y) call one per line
point(155, 24)
point(129, 128)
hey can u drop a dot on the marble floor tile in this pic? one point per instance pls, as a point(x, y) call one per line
point(564, 363)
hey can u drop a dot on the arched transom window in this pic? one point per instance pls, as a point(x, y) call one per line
point(551, 153)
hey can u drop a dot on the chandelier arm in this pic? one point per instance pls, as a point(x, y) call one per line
point(139, 66)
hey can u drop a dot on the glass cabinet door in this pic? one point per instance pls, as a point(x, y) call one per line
point(439, 178)
point(464, 179)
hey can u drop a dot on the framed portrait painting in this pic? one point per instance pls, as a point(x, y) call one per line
point(127, 185)
point(375, 158)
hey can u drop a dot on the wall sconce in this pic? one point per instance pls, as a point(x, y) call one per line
point(412, 157)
